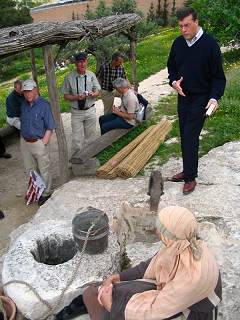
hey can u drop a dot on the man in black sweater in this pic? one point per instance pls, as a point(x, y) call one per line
point(196, 73)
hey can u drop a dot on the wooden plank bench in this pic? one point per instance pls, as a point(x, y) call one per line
point(80, 157)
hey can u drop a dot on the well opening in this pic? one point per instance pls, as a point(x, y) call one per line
point(54, 250)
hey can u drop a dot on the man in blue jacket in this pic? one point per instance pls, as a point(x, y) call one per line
point(37, 125)
point(196, 73)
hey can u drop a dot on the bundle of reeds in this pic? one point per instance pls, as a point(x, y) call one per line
point(132, 158)
point(137, 159)
point(106, 170)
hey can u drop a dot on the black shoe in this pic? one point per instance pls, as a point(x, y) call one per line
point(76, 308)
point(42, 200)
point(1, 215)
point(6, 155)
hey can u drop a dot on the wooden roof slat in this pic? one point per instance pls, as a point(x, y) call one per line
point(20, 38)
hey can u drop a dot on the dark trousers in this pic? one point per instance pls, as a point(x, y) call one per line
point(191, 113)
point(2, 147)
point(111, 121)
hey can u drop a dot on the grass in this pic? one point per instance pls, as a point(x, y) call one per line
point(152, 55)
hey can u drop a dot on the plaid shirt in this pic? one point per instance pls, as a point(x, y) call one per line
point(107, 74)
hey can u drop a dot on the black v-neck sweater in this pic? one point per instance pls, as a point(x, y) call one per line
point(200, 66)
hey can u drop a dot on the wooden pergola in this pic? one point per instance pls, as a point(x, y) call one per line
point(45, 34)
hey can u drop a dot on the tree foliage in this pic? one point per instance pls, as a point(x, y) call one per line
point(221, 18)
point(13, 13)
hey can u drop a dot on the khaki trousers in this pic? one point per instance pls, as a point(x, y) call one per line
point(36, 157)
point(108, 99)
point(83, 128)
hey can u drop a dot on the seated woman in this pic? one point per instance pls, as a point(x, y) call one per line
point(181, 280)
point(124, 116)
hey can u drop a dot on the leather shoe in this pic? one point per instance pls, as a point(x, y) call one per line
point(178, 177)
point(6, 155)
point(189, 186)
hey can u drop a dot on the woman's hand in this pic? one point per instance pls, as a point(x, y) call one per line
point(110, 280)
point(105, 296)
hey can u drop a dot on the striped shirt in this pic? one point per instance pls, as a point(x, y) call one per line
point(107, 74)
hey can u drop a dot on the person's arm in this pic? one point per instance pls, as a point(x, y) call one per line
point(124, 115)
point(218, 78)
point(74, 97)
point(67, 92)
point(49, 123)
point(95, 87)
point(47, 136)
point(172, 68)
point(136, 272)
point(217, 74)
point(133, 273)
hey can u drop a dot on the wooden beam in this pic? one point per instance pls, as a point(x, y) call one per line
point(54, 101)
point(19, 38)
point(33, 65)
point(98, 145)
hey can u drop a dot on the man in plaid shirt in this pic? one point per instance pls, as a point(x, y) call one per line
point(107, 73)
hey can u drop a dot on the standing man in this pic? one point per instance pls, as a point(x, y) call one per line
point(13, 103)
point(81, 88)
point(37, 125)
point(107, 73)
point(196, 73)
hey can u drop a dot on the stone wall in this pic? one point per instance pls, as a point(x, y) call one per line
point(65, 12)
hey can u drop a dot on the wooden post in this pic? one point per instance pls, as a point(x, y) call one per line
point(133, 47)
point(33, 65)
point(54, 101)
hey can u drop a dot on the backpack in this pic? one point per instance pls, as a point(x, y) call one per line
point(143, 103)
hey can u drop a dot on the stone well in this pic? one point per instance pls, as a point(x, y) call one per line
point(44, 257)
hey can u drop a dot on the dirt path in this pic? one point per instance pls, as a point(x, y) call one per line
point(13, 181)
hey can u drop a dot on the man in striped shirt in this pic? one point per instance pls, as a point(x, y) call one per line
point(107, 73)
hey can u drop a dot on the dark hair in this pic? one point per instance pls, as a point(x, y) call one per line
point(184, 12)
point(117, 55)
point(16, 82)
point(81, 56)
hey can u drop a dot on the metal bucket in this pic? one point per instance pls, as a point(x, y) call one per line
point(98, 237)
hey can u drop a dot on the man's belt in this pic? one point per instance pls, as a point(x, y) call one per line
point(84, 108)
point(31, 140)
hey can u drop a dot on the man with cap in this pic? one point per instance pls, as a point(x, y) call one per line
point(37, 125)
point(81, 88)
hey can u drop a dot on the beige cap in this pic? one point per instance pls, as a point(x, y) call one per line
point(28, 85)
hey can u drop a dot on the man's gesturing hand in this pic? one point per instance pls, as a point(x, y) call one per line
point(177, 86)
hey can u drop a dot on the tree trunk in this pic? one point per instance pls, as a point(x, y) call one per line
point(133, 46)
point(54, 101)
point(33, 65)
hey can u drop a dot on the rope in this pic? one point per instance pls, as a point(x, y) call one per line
point(51, 309)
